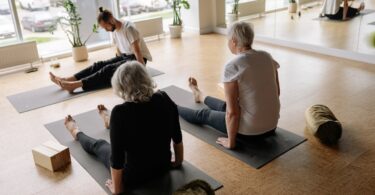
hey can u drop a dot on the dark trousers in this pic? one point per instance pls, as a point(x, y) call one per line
point(352, 12)
point(99, 75)
point(101, 149)
point(213, 116)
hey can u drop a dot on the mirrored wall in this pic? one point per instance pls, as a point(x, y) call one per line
point(273, 18)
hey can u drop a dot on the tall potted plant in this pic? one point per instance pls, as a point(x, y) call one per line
point(175, 28)
point(292, 6)
point(70, 25)
point(233, 15)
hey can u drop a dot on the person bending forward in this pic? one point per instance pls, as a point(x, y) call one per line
point(130, 46)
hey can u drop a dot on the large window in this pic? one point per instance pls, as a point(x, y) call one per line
point(39, 17)
point(33, 20)
point(37, 20)
point(7, 28)
point(143, 9)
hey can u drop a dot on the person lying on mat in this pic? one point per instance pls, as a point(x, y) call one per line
point(333, 10)
point(130, 46)
point(251, 86)
point(141, 131)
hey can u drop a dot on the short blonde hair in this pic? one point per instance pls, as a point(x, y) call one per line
point(132, 82)
point(243, 33)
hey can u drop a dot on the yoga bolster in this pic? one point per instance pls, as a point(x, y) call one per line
point(323, 124)
point(196, 187)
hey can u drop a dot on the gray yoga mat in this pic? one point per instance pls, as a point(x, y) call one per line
point(91, 123)
point(256, 154)
point(362, 13)
point(49, 95)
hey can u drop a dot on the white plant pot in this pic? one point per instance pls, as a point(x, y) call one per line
point(232, 18)
point(175, 31)
point(80, 53)
point(292, 8)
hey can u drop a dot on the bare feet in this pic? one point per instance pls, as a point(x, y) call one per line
point(193, 84)
point(55, 78)
point(103, 112)
point(362, 6)
point(70, 86)
point(71, 125)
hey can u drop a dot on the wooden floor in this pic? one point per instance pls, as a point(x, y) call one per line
point(347, 87)
point(352, 35)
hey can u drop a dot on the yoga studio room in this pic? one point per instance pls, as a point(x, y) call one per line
point(187, 97)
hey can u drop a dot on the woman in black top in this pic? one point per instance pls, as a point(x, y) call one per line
point(141, 130)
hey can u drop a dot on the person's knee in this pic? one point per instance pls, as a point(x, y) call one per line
point(100, 143)
point(202, 114)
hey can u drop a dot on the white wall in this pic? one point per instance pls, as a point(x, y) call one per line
point(200, 17)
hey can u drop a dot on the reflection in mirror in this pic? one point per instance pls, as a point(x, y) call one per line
point(305, 21)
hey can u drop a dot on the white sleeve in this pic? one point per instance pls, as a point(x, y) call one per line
point(132, 34)
point(231, 73)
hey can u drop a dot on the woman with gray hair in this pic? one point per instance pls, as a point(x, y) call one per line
point(141, 131)
point(251, 85)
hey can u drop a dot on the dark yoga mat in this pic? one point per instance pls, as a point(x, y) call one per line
point(91, 123)
point(49, 95)
point(362, 13)
point(256, 154)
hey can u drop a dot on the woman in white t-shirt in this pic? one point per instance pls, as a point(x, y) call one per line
point(251, 86)
point(334, 11)
point(130, 47)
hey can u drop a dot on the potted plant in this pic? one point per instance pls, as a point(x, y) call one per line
point(233, 15)
point(292, 6)
point(175, 28)
point(70, 25)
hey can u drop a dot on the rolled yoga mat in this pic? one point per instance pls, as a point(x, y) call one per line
point(256, 153)
point(45, 96)
point(91, 123)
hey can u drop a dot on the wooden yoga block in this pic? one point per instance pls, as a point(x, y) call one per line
point(51, 155)
point(322, 123)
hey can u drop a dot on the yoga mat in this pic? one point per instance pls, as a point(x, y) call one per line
point(91, 123)
point(49, 95)
point(362, 13)
point(256, 154)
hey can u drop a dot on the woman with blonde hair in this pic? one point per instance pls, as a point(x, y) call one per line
point(251, 84)
point(141, 131)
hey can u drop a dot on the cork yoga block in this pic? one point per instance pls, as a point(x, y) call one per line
point(322, 123)
point(51, 155)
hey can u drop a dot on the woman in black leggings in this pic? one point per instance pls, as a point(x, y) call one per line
point(141, 131)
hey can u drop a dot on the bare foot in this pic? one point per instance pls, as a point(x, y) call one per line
point(193, 84)
point(362, 6)
point(103, 112)
point(70, 86)
point(71, 125)
point(55, 78)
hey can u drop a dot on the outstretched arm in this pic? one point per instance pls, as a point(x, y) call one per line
point(345, 11)
point(232, 114)
point(137, 51)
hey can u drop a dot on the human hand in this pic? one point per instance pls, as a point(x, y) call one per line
point(109, 184)
point(225, 142)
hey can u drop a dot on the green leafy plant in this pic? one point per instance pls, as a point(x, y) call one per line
point(176, 7)
point(70, 25)
point(235, 7)
point(292, 1)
